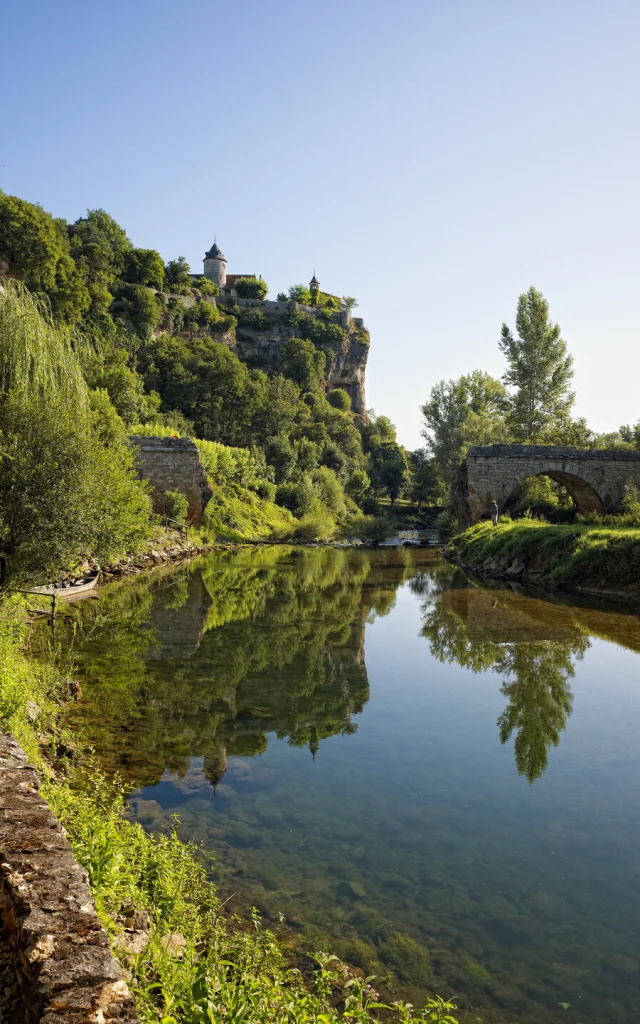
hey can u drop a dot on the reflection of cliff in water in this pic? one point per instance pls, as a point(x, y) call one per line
point(225, 654)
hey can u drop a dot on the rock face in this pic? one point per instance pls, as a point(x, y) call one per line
point(61, 957)
point(265, 327)
point(173, 464)
point(595, 479)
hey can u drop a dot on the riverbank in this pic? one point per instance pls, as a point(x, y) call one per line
point(585, 558)
point(182, 956)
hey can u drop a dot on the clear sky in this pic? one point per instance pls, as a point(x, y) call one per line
point(433, 158)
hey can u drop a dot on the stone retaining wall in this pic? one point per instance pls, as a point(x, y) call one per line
point(64, 968)
point(173, 464)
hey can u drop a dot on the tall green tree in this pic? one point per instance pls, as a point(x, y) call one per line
point(389, 472)
point(460, 413)
point(539, 369)
point(99, 247)
point(35, 248)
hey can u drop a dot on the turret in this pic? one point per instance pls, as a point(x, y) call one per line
point(314, 288)
point(215, 266)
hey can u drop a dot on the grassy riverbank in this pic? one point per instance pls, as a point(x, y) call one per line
point(188, 962)
point(581, 556)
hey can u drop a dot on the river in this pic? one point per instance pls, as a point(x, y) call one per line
point(436, 780)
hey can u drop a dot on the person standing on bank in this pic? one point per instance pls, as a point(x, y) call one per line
point(494, 513)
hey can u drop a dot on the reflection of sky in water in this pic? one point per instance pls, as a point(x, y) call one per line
point(413, 843)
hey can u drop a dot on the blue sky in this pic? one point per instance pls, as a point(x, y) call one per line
point(433, 159)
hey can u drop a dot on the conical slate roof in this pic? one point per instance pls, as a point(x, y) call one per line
point(215, 253)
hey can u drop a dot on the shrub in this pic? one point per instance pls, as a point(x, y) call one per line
point(297, 497)
point(176, 506)
point(266, 490)
point(329, 490)
point(136, 305)
point(315, 525)
point(205, 286)
point(226, 465)
point(251, 288)
point(357, 485)
point(340, 399)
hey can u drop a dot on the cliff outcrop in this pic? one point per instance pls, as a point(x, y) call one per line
point(257, 330)
point(264, 328)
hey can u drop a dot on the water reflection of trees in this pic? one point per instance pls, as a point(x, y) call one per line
point(209, 661)
point(468, 626)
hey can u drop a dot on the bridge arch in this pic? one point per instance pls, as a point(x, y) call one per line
point(595, 479)
point(583, 493)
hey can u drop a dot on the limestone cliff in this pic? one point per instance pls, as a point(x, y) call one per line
point(264, 327)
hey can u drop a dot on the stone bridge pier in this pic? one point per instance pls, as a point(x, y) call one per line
point(173, 464)
point(595, 479)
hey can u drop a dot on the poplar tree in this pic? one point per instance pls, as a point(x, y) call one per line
point(540, 369)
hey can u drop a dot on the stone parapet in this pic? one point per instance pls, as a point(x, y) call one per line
point(543, 451)
point(64, 968)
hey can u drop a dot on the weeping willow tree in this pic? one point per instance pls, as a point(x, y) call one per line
point(36, 356)
point(67, 483)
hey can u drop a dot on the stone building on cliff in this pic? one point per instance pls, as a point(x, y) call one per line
point(260, 335)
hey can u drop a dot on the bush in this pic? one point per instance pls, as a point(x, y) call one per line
point(329, 491)
point(226, 465)
point(251, 288)
point(339, 399)
point(357, 485)
point(296, 497)
point(266, 490)
point(176, 506)
point(136, 305)
point(205, 286)
point(315, 525)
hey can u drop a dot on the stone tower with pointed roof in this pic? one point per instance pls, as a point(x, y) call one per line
point(314, 288)
point(215, 266)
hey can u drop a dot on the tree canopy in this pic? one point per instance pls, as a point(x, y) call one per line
point(540, 370)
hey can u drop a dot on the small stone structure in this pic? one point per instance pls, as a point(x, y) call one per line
point(595, 479)
point(173, 464)
point(60, 951)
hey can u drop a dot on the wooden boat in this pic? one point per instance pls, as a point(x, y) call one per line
point(68, 589)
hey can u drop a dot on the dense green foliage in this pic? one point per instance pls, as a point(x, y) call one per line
point(531, 405)
point(36, 247)
point(68, 486)
point(251, 288)
point(162, 349)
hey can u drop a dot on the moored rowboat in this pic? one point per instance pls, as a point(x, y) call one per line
point(67, 590)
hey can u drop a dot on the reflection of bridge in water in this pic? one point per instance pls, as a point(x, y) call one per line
point(595, 479)
point(503, 615)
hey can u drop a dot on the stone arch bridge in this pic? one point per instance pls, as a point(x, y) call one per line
point(595, 479)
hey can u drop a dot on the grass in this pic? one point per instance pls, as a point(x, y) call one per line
point(198, 966)
point(581, 555)
point(235, 513)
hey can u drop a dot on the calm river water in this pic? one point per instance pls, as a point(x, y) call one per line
point(436, 780)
